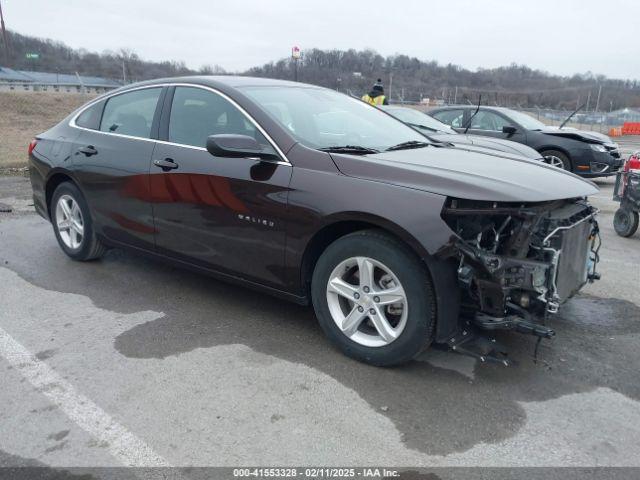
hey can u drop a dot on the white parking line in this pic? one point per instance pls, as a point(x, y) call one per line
point(122, 444)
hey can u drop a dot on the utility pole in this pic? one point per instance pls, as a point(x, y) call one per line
point(598, 100)
point(4, 38)
point(296, 54)
point(82, 89)
point(390, 84)
point(455, 96)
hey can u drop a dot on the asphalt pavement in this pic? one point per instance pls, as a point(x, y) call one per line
point(127, 361)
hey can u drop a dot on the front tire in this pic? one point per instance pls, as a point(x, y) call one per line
point(374, 298)
point(73, 225)
point(625, 222)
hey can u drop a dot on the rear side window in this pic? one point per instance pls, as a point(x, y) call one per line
point(90, 118)
point(197, 113)
point(131, 113)
point(450, 117)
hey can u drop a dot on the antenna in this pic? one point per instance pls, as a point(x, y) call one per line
point(474, 114)
point(572, 114)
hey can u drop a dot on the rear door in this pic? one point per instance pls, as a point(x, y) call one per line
point(111, 161)
point(227, 214)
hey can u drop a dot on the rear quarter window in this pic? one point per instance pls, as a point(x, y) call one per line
point(90, 118)
point(131, 113)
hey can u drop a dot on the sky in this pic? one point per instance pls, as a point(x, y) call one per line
point(559, 36)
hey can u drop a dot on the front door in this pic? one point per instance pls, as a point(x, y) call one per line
point(223, 213)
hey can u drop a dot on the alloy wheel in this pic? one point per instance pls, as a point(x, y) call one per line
point(367, 301)
point(69, 222)
point(554, 161)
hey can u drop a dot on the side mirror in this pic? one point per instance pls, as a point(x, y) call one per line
point(229, 145)
point(509, 129)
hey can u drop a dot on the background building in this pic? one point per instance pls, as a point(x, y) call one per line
point(27, 81)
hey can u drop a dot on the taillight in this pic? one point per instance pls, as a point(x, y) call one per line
point(32, 145)
point(633, 163)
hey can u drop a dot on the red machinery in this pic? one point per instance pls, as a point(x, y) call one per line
point(627, 192)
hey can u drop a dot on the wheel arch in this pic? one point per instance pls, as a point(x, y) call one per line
point(547, 147)
point(54, 179)
point(442, 272)
point(338, 226)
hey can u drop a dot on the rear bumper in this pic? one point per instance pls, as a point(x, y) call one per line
point(40, 209)
point(38, 176)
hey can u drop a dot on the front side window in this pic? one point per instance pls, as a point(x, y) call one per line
point(321, 118)
point(453, 118)
point(485, 120)
point(131, 113)
point(527, 121)
point(197, 113)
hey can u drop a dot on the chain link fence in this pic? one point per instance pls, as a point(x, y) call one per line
point(593, 121)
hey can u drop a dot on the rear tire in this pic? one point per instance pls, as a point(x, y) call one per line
point(625, 222)
point(557, 159)
point(73, 225)
point(398, 313)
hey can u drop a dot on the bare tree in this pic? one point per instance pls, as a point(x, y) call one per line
point(212, 70)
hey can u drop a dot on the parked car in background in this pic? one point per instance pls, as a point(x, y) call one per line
point(436, 130)
point(314, 196)
point(589, 154)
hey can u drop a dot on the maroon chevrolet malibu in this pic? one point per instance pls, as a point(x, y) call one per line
point(398, 241)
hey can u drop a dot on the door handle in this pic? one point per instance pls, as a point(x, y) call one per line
point(166, 164)
point(88, 150)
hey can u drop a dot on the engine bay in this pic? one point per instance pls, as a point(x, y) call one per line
point(518, 262)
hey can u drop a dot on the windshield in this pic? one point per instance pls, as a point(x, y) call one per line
point(417, 118)
point(527, 121)
point(321, 118)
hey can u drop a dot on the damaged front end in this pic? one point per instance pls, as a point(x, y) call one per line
point(518, 262)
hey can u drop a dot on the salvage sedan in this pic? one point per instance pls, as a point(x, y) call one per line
point(589, 154)
point(314, 196)
point(438, 131)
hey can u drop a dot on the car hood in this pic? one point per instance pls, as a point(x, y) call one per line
point(467, 174)
point(484, 143)
point(582, 135)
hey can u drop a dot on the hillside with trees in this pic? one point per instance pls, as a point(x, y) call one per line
point(57, 57)
point(412, 79)
point(405, 78)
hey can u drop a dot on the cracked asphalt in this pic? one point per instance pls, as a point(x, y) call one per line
point(128, 361)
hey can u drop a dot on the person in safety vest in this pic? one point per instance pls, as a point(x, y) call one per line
point(376, 96)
